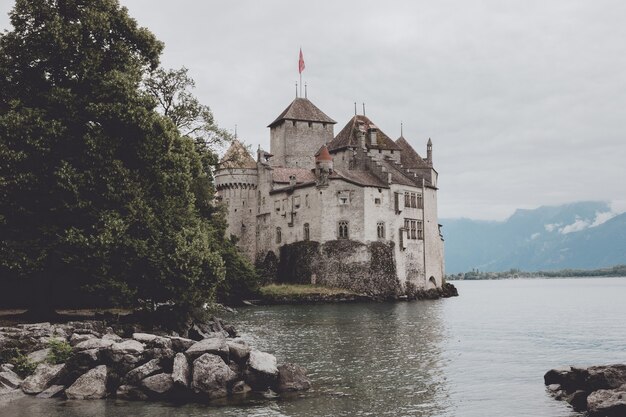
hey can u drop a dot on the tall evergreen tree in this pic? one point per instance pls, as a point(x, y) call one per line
point(96, 187)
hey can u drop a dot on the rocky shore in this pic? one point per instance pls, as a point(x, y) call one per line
point(599, 390)
point(87, 360)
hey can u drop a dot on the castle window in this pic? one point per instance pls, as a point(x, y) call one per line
point(284, 204)
point(243, 203)
point(377, 201)
point(380, 230)
point(420, 201)
point(296, 202)
point(227, 201)
point(310, 124)
point(306, 231)
point(343, 230)
point(407, 199)
point(294, 122)
point(306, 200)
point(413, 200)
point(411, 226)
point(420, 230)
point(277, 206)
point(396, 202)
point(258, 200)
point(324, 125)
point(279, 235)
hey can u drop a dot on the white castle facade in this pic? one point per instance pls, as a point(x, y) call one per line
point(358, 186)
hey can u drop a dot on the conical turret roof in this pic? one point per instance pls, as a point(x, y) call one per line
point(237, 156)
point(323, 154)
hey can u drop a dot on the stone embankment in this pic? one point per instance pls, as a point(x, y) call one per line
point(599, 390)
point(98, 363)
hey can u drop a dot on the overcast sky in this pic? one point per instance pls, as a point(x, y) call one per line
point(525, 101)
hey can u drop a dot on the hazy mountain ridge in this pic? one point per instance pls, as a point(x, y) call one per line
point(584, 235)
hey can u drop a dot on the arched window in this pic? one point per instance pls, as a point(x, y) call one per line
point(343, 230)
point(380, 230)
point(279, 235)
point(306, 231)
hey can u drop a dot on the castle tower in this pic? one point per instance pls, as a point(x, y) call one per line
point(236, 184)
point(298, 133)
point(429, 152)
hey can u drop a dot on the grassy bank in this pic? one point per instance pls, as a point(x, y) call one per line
point(293, 293)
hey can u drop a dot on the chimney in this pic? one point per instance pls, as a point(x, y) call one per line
point(373, 139)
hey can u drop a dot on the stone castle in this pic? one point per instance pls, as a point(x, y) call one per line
point(357, 210)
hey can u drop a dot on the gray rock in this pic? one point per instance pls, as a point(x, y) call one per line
point(93, 344)
point(211, 376)
point(127, 347)
point(77, 338)
point(89, 386)
point(180, 370)
point(112, 336)
point(214, 345)
point(153, 340)
point(144, 337)
point(238, 351)
point(42, 378)
point(52, 391)
point(605, 377)
point(158, 385)
point(241, 387)
point(181, 344)
point(149, 368)
point(79, 363)
point(10, 379)
point(39, 356)
point(607, 403)
point(130, 392)
point(292, 377)
point(7, 367)
point(261, 372)
point(578, 400)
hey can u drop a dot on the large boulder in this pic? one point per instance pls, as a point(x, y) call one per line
point(292, 377)
point(261, 371)
point(77, 338)
point(93, 344)
point(89, 386)
point(39, 356)
point(52, 391)
point(10, 379)
point(181, 344)
point(211, 376)
point(605, 377)
point(79, 363)
point(180, 370)
point(213, 345)
point(238, 351)
point(153, 341)
point(607, 403)
point(44, 375)
point(147, 369)
point(158, 385)
point(127, 347)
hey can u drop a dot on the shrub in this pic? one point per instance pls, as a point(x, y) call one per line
point(23, 366)
point(60, 351)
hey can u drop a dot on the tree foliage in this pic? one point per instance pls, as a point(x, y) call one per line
point(99, 191)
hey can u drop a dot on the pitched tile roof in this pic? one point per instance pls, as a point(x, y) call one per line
point(398, 176)
point(364, 178)
point(237, 156)
point(409, 158)
point(281, 175)
point(349, 135)
point(302, 109)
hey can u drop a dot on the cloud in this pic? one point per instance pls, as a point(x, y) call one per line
point(582, 224)
point(552, 226)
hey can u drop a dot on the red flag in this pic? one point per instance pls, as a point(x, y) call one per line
point(301, 62)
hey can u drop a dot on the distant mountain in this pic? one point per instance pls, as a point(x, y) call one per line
point(583, 235)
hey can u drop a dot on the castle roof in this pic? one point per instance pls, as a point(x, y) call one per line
point(349, 136)
point(409, 157)
point(323, 154)
point(237, 156)
point(281, 175)
point(302, 109)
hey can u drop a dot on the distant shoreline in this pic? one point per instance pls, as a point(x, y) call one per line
point(476, 275)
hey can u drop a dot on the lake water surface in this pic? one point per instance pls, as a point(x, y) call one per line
point(481, 354)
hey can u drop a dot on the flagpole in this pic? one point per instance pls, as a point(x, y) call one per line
point(300, 84)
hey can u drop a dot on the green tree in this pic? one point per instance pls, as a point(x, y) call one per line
point(171, 91)
point(96, 187)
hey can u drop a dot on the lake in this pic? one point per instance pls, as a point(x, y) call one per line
point(483, 353)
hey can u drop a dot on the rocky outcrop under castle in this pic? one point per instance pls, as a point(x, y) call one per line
point(143, 366)
point(599, 390)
